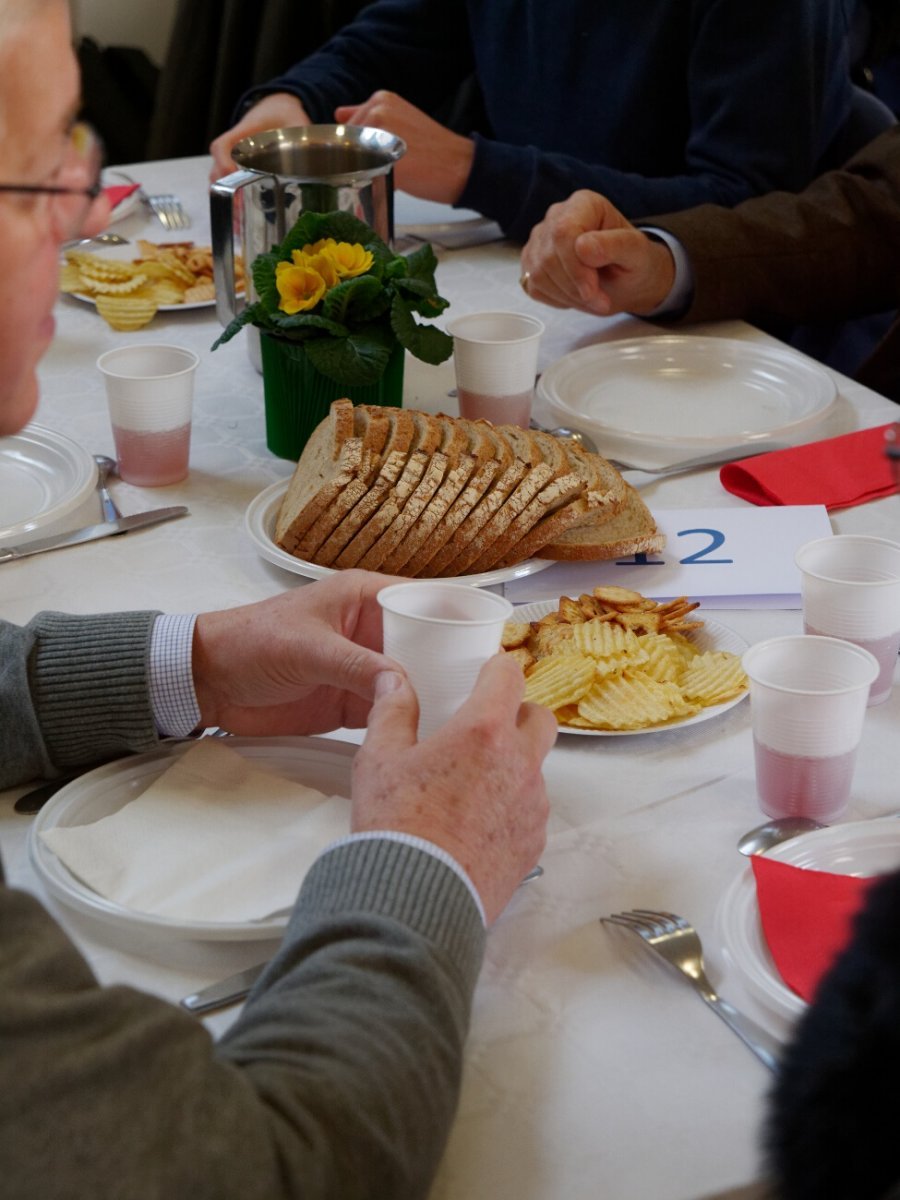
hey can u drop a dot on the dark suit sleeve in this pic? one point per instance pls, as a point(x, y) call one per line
point(829, 252)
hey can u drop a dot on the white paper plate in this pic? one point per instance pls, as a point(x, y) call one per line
point(259, 522)
point(712, 636)
point(128, 253)
point(43, 476)
point(317, 762)
point(655, 401)
point(857, 848)
point(452, 228)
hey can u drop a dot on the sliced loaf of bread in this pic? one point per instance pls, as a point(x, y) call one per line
point(444, 459)
point(548, 464)
point(632, 530)
point(602, 495)
point(428, 436)
point(330, 459)
point(498, 461)
point(394, 461)
point(478, 450)
point(492, 499)
point(374, 426)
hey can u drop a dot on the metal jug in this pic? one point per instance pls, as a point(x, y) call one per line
point(285, 172)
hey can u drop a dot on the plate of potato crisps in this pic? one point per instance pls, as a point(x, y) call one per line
point(613, 662)
point(130, 284)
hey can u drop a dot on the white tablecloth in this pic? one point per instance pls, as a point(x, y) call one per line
point(591, 1070)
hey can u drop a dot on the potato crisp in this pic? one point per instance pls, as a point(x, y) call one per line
point(615, 660)
point(165, 274)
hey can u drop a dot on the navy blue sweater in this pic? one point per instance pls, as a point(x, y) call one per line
point(658, 104)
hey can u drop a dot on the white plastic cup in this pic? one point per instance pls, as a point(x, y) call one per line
point(807, 704)
point(441, 634)
point(150, 392)
point(850, 586)
point(495, 358)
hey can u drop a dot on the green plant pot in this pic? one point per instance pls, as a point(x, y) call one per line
point(298, 397)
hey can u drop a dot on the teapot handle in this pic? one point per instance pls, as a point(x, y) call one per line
point(221, 215)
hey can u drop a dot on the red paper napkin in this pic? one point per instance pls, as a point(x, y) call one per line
point(839, 472)
point(119, 192)
point(806, 917)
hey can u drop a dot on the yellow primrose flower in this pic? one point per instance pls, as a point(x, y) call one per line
point(350, 261)
point(299, 287)
point(322, 245)
point(323, 263)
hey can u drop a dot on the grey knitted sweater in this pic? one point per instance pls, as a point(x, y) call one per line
point(340, 1077)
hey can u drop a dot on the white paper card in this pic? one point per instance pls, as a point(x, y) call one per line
point(725, 557)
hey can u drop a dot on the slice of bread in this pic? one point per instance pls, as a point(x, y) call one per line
point(429, 434)
point(632, 530)
point(498, 461)
point(602, 496)
point(374, 426)
point(501, 487)
point(444, 459)
point(329, 460)
point(478, 450)
point(400, 442)
point(548, 463)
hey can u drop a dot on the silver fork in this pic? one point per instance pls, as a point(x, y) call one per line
point(168, 209)
point(677, 942)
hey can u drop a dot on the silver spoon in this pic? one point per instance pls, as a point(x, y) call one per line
point(574, 435)
point(782, 829)
point(106, 467)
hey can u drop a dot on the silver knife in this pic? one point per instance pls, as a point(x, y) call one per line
point(228, 991)
point(235, 987)
point(91, 532)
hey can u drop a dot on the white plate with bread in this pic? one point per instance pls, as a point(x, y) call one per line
point(427, 495)
point(652, 402)
point(259, 522)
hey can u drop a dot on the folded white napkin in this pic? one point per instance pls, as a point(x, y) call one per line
point(214, 838)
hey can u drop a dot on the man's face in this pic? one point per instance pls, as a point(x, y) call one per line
point(39, 91)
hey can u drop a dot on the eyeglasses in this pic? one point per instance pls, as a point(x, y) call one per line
point(68, 200)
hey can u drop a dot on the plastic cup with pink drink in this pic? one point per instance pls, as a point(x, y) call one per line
point(808, 699)
point(441, 634)
point(150, 391)
point(850, 586)
point(495, 358)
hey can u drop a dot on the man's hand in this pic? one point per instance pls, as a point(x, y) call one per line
point(302, 662)
point(473, 788)
point(586, 255)
point(281, 110)
point(437, 162)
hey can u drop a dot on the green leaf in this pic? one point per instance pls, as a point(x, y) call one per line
point(357, 360)
point(356, 301)
point(422, 264)
point(425, 301)
point(234, 326)
point(424, 341)
point(311, 227)
point(305, 324)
